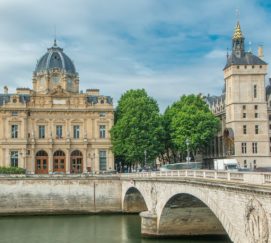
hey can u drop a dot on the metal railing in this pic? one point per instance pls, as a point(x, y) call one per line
point(229, 176)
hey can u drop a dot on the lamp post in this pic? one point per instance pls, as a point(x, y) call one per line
point(187, 146)
point(145, 153)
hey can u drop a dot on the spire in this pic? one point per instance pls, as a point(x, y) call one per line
point(237, 33)
point(238, 41)
point(55, 44)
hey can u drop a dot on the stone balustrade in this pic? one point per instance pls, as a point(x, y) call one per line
point(227, 176)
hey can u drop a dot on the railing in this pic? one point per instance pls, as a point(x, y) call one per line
point(229, 176)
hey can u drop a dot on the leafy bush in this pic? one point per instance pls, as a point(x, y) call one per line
point(11, 170)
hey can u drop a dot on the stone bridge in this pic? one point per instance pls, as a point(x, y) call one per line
point(184, 203)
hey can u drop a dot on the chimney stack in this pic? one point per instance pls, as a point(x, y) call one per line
point(260, 51)
point(5, 90)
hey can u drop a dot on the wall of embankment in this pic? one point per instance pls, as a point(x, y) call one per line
point(59, 195)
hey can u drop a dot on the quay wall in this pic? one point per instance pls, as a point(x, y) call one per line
point(59, 195)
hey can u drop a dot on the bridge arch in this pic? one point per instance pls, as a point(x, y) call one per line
point(133, 201)
point(202, 198)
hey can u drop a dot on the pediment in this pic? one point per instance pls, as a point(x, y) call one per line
point(59, 92)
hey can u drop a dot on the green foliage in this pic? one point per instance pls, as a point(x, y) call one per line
point(11, 170)
point(190, 118)
point(137, 128)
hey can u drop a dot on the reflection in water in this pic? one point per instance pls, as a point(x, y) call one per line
point(77, 229)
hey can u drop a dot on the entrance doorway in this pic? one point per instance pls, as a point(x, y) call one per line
point(41, 165)
point(59, 161)
point(76, 162)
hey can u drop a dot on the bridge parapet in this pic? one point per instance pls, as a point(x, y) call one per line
point(227, 176)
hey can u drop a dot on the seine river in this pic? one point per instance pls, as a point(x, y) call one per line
point(78, 229)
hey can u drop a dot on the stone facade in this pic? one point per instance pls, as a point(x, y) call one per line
point(243, 109)
point(54, 127)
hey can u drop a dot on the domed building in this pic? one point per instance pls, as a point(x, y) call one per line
point(54, 128)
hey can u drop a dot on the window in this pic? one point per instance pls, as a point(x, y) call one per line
point(42, 131)
point(244, 115)
point(76, 131)
point(245, 66)
point(256, 115)
point(255, 90)
point(244, 107)
point(14, 113)
point(270, 126)
point(244, 148)
point(59, 131)
point(102, 131)
point(269, 117)
point(14, 158)
point(270, 139)
point(252, 66)
point(238, 66)
point(14, 131)
point(255, 107)
point(256, 129)
point(254, 164)
point(102, 159)
point(102, 114)
point(254, 148)
point(245, 164)
point(244, 129)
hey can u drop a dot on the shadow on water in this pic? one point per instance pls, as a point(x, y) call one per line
point(79, 229)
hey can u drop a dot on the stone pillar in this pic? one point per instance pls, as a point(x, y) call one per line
point(148, 224)
point(68, 161)
point(85, 161)
point(50, 155)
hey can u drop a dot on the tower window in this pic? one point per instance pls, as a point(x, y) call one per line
point(252, 66)
point(254, 148)
point(244, 148)
point(255, 90)
point(244, 107)
point(256, 115)
point(244, 129)
point(254, 164)
point(256, 107)
point(244, 115)
point(245, 164)
point(238, 67)
point(256, 129)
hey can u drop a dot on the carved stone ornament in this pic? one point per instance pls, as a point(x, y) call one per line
point(153, 198)
point(256, 223)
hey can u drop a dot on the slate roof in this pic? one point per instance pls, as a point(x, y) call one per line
point(55, 58)
point(5, 98)
point(247, 59)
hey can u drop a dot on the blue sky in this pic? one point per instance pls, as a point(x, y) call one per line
point(168, 47)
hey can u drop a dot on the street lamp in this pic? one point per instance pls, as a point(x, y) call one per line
point(145, 153)
point(187, 145)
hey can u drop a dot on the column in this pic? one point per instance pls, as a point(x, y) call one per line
point(85, 161)
point(50, 165)
point(68, 161)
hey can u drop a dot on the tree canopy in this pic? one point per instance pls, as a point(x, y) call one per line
point(190, 119)
point(138, 128)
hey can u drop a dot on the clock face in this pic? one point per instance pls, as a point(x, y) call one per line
point(69, 81)
point(55, 79)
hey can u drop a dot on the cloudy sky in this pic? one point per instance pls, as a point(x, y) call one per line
point(168, 47)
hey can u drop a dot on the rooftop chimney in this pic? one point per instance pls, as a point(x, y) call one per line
point(260, 52)
point(5, 90)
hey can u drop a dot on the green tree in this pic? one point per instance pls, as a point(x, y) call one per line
point(137, 128)
point(192, 119)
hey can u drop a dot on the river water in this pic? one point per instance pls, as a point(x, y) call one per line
point(78, 229)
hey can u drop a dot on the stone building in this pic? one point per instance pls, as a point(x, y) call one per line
point(244, 108)
point(54, 127)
